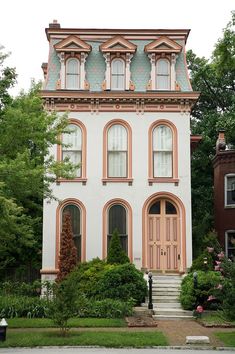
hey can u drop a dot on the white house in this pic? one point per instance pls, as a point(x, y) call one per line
point(129, 98)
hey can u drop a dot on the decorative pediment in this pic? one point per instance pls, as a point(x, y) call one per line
point(163, 45)
point(117, 44)
point(72, 44)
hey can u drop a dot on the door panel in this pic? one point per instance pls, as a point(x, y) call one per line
point(163, 239)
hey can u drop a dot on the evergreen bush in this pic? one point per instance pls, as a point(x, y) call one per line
point(116, 255)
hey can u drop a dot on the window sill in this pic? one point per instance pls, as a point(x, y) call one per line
point(163, 180)
point(78, 180)
point(117, 180)
point(231, 206)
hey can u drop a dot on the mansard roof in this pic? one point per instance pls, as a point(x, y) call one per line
point(163, 45)
point(72, 44)
point(118, 44)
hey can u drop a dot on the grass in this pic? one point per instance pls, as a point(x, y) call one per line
point(227, 338)
point(73, 322)
point(104, 339)
point(215, 318)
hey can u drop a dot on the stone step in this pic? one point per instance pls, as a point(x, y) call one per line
point(170, 281)
point(172, 312)
point(166, 305)
point(171, 317)
point(166, 290)
point(165, 298)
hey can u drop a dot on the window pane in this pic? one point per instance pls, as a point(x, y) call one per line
point(231, 245)
point(117, 164)
point(163, 82)
point(75, 158)
point(170, 208)
point(155, 208)
point(117, 138)
point(72, 74)
point(74, 212)
point(162, 138)
point(163, 74)
point(162, 164)
point(74, 139)
point(118, 74)
point(230, 190)
point(117, 219)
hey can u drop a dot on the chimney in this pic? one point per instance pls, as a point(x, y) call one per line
point(54, 24)
point(220, 143)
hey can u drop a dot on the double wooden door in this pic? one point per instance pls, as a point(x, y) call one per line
point(163, 237)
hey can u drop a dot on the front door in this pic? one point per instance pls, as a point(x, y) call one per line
point(163, 237)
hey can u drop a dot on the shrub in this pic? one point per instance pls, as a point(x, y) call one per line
point(116, 255)
point(20, 288)
point(227, 292)
point(203, 262)
point(123, 282)
point(106, 308)
point(190, 297)
point(22, 306)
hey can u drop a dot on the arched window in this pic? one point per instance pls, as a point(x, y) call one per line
point(117, 219)
point(72, 74)
point(73, 148)
point(75, 214)
point(162, 151)
point(117, 151)
point(163, 74)
point(117, 74)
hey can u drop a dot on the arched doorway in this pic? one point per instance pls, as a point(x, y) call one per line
point(164, 234)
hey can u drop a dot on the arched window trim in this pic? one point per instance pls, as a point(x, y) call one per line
point(59, 210)
point(83, 177)
point(106, 208)
point(127, 179)
point(169, 74)
point(174, 178)
point(124, 74)
point(78, 74)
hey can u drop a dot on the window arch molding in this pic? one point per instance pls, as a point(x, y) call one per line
point(128, 178)
point(61, 206)
point(174, 178)
point(128, 208)
point(83, 177)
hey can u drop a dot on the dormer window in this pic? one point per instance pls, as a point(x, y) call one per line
point(118, 53)
point(163, 81)
point(162, 54)
point(72, 52)
point(118, 74)
point(72, 74)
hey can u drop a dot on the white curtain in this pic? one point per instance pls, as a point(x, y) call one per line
point(117, 151)
point(163, 74)
point(118, 74)
point(73, 150)
point(72, 74)
point(162, 151)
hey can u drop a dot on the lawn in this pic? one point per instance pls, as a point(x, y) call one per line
point(215, 319)
point(104, 339)
point(227, 338)
point(73, 322)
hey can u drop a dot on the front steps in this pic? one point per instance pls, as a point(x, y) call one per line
point(166, 305)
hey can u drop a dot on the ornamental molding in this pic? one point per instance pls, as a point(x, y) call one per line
point(140, 103)
point(72, 44)
point(118, 44)
point(163, 45)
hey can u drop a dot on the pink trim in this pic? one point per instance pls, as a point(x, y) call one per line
point(174, 152)
point(129, 225)
point(82, 208)
point(129, 152)
point(83, 177)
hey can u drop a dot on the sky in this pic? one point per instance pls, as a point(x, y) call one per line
point(23, 23)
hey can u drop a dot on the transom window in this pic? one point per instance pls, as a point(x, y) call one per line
point(118, 74)
point(72, 74)
point(163, 74)
point(117, 151)
point(73, 148)
point(230, 190)
point(162, 151)
point(75, 215)
point(117, 219)
point(162, 206)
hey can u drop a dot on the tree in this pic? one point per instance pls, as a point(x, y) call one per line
point(116, 255)
point(68, 250)
point(215, 109)
point(27, 171)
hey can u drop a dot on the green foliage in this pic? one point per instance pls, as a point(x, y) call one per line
point(106, 308)
point(61, 308)
point(116, 255)
point(214, 110)
point(190, 297)
point(23, 306)
point(228, 291)
point(203, 262)
point(20, 288)
point(123, 282)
